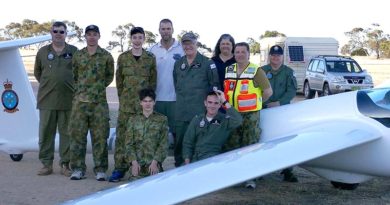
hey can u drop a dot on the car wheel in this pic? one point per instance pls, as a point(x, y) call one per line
point(309, 93)
point(326, 90)
point(344, 186)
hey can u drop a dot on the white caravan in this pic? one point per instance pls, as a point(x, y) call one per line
point(298, 51)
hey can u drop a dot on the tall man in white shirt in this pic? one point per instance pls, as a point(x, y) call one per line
point(167, 51)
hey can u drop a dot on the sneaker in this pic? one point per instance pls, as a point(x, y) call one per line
point(251, 184)
point(116, 176)
point(45, 170)
point(289, 176)
point(101, 176)
point(65, 170)
point(77, 175)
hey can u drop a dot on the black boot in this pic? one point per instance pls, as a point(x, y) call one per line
point(289, 175)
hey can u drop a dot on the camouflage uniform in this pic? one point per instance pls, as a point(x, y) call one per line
point(205, 139)
point(283, 83)
point(131, 76)
point(192, 83)
point(92, 74)
point(249, 132)
point(54, 73)
point(146, 140)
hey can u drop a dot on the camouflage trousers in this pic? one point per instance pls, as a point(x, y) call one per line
point(49, 121)
point(246, 134)
point(120, 157)
point(95, 118)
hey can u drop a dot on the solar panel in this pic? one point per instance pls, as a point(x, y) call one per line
point(296, 53)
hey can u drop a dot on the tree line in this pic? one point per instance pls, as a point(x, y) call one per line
point(362, 41)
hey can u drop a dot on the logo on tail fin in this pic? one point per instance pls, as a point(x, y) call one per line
point(9, 98)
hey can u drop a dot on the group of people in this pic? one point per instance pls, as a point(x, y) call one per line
point(209, 106)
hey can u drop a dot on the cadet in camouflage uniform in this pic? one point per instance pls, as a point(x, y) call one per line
point(136, 70)
point(284, 86)
point(53, 71)
point(146, 138)
point(194, 75)
point(208, 132)
point(246, 83)
point(93, 70)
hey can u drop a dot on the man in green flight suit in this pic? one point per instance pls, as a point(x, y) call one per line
point(93, 71)
point(146, 138)
point(53, 71)
point(136, 69)
point(284, 86)
point(194, 75)
point(208, 132)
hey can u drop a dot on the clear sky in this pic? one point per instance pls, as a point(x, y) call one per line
point(211, 18)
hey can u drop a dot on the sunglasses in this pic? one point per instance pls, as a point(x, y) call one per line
point(57, 31)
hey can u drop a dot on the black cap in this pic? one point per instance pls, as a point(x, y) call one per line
point(276, 50)
point(92, 28)
point(135, 30)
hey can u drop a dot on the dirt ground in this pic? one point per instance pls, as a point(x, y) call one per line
point(21, 186)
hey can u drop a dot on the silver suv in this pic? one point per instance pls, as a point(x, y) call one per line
point(327, 74)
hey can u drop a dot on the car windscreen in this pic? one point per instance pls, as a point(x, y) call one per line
point(343, 67)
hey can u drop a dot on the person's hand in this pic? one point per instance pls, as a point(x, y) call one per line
point(153, 168)
point(273, 104)
point(135, 168)
point(221, 96)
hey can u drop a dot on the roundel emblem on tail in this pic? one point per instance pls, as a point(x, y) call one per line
point(9, 98)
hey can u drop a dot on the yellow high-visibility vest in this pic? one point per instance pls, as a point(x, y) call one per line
point(240, 90)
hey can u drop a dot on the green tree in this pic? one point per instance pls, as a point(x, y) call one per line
point(254, 46)
point(122, 33)
point(272, 34)
point(375, 38)
point(150, 38)
point(357, 39)
point(73, 27)
point(385, 48)
point(346, 50)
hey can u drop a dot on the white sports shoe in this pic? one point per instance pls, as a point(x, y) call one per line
point(101, 176)
point(77, 175)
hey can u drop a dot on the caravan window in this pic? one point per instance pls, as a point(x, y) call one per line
point(296, 53)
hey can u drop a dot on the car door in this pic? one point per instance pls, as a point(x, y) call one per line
point(310, 73)
point(319, 77)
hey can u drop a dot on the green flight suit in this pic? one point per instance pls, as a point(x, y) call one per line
point(131, 76)
point(53, 71)
point(146, 139)
point(192, 83)
point(283, 83)
point(92, 74)
point(205, 138)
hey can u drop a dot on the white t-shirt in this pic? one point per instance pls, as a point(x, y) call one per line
point(165, 90)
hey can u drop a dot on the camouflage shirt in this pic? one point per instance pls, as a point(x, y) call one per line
point(192, 83)
point(92, 74)
point(147, 138)
point(133, 75)
point(54, 73)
